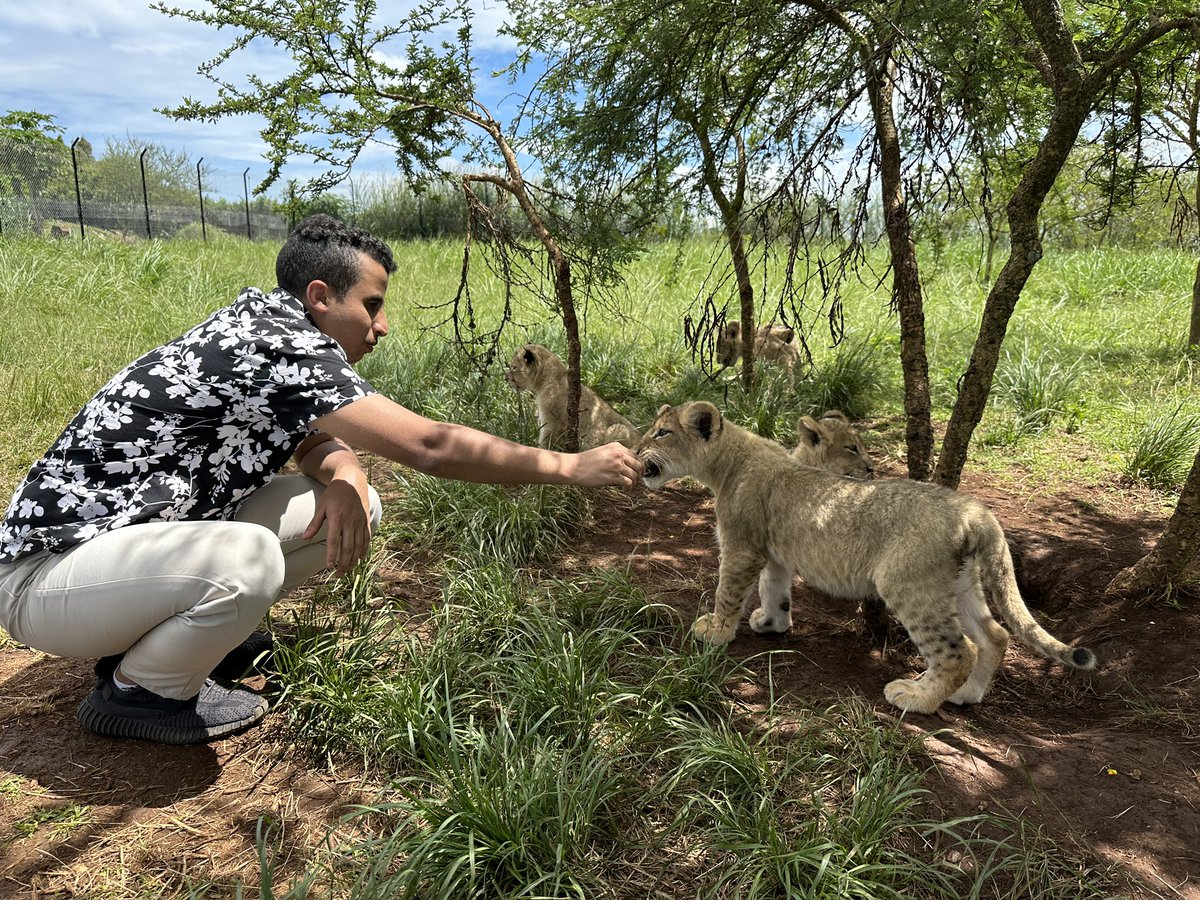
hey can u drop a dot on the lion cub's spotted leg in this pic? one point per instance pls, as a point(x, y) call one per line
point(950, 655)
point(738, 572)
point(990, 638)
point(775, 596)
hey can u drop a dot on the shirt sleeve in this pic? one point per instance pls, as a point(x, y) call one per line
point(307, 377)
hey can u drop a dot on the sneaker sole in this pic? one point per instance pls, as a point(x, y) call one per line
point(108, 725)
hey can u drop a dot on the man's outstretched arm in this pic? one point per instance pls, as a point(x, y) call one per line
point(447, 450)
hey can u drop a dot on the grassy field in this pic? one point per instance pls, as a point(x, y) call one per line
point(1095, 351)
point(546, 737)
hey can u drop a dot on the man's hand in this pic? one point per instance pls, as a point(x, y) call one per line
point(610, 464)
point(348, 538)
point(345, 503)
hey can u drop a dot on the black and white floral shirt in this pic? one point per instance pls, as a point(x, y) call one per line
point(189, 430)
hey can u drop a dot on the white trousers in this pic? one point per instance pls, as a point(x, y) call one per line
point(174, 597)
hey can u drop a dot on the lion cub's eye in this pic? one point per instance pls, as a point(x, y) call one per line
point(853, 450)
point(661, 433)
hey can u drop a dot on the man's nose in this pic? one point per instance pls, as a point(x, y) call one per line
point(381, 324)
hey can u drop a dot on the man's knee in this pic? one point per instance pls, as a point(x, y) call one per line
point(253, 561)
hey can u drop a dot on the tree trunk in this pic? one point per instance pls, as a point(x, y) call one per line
point(1194, 330)
point(1072, 101)
point(906, 282)
point(731, 221)
point(741, 270)
point(1176, 550)
point(560, 266)
point(566, 305)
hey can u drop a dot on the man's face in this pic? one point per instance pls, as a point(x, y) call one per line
point(356, 320)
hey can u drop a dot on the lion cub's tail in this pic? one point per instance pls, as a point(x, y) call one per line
point(987, 545)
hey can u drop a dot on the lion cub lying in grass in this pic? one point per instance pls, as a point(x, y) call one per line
point(832, 443)
point(926, 550)
point(773, 343)
point(537, 369)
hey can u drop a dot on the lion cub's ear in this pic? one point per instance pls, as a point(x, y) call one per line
point(704, 418)
point(808, 431)
point(530, 359)
point(662, 409)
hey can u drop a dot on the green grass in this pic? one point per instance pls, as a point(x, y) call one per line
point(1162, 451)
point(549, 738)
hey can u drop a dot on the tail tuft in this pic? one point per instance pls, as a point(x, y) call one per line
point(1083, 658)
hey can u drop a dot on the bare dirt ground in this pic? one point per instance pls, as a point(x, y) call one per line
point(1108, 761)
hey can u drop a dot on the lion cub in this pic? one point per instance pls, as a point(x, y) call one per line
point(928, 551)
point(833, 444)
point(773, 343)
point(537, 369)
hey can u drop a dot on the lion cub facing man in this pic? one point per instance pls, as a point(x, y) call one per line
point(537, 369)
point(926, 550)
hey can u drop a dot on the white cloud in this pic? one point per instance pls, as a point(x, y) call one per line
point(102, 67)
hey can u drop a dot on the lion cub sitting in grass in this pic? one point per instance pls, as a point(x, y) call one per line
point(928, 551)
point(537, 369)
point(773, 343)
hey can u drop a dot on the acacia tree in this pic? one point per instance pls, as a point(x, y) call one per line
point(1180, 122)
point(662, 98)
point(355, 82)
point(876, 40)
point(1079, 60)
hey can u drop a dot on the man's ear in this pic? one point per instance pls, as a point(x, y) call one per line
point(318, 296)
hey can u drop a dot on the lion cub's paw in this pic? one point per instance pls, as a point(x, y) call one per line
point(967, 694)
point(910, 696)
point(763, 622)
point(710, 628)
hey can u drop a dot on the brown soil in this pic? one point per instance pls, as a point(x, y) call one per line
point(1108, 761)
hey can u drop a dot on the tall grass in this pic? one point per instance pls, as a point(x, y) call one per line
point(1162, 451)
point(76, 313)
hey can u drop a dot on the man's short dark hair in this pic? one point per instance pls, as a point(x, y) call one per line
point(321, 248)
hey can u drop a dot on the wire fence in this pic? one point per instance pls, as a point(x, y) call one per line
point(63, 190)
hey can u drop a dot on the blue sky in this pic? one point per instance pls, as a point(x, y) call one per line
point(101, 67)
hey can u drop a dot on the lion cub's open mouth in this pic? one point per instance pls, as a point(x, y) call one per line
point(651, 469)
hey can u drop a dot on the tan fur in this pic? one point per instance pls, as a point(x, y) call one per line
point(536, 369)
point(772, 343)
point(833, 444)
point(928, 551)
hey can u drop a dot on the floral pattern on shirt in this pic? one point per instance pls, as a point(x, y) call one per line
point(187, 431)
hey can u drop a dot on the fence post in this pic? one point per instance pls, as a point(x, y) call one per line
point(200, 191)
point(145, 194)
point(246, 194)
point(78, 196)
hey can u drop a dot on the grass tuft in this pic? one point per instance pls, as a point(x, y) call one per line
point(1161, 453)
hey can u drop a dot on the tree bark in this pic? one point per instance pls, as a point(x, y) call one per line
point(1072, 101)
point(1177, 547)
point(907, 299)
point(560, 266)
point(1194, 330)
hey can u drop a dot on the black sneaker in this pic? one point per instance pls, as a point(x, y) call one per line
point(254, 655)
point(137, 713)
